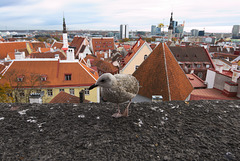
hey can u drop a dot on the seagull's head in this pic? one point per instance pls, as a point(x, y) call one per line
point(106, 80)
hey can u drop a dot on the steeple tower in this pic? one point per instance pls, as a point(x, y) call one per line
point(170, 28)
point(65, 37)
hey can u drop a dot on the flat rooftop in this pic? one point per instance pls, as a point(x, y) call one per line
point(176, 130)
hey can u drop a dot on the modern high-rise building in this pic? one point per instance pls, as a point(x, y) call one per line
point(194, 32)
point(153, 30)
point(124, 33)
point(236, 31)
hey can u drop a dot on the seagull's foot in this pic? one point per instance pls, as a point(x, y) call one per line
point(117, 115)
point(125, 113)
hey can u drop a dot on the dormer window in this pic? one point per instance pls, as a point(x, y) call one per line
point(68, 77)
point(43, 77)
point(20, 78)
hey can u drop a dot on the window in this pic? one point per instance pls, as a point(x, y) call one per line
point(198, 65)
point(43, 78)
point(71, 91)
point(19, 79)
point(21, 93)
point(145, 57)
point(38, 91)
point(68, 76)
point(188, 65)
point(50, 92)
point(86, 91)
point(60, 90)
point(136, 67)
point(200, 74)
point(207, 65)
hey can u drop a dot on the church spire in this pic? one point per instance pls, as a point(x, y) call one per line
point(65, 37)
point(171, 22)
point(64, 25)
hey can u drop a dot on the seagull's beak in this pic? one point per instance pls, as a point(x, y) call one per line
point(92, 86)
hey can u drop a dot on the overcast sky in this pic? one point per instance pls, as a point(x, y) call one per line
point(211, 15)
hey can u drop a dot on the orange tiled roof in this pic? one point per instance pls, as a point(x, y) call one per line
point(45, 49)
point(58, 45)
point(37, 45)
point(209, 94)
point(48, 55)
point(160, 74)
point(7, 47)
point(1, 67)
point(77, 43)
point(196, 81)
point(102, 65)
point(81, 75)
point(64, 97)
point(134, 49)
point(102, 44)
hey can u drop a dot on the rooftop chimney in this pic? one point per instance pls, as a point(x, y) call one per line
point(70, 54)
point(82, 96)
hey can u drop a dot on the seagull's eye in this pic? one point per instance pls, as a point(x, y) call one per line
point(102, 80)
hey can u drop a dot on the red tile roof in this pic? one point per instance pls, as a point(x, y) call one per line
point(133, 51)
point(196, 81)
point(64, 97)
point(102, 65)
point(57, 45)
point(160, 74)
point(45, 49)
point(48, 55)
point(77, 43)
point(102, 44)
point(55, 70)
point(7, 47)
point(209, 94)
point(37, 45)
point(1, 67)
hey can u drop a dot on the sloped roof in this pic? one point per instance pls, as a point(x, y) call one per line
point(7, 47)
point(102, 44)
point(45, 49)
point(190, 54)
point(133, 51)
point(58, 45)
point(196, 81)
point(77, 43)
point(64, 97)
point(48, 55)
point(55, 71)
point(220, 49)
point(102, 65)
point(37, 45)
point(1, 67)
point(160, 74)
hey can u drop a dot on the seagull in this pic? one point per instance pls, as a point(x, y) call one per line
point(118, 88)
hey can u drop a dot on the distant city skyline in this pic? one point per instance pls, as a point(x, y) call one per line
point(211, 16)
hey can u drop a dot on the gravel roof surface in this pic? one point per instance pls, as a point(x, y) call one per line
point(177, 130)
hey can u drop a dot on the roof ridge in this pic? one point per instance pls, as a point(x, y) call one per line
point(87, 71)
point(165, 64)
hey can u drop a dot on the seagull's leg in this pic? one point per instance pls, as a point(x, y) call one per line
point(125, 113)
point(118, 114)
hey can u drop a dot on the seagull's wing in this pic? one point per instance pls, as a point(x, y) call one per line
point(128, 83)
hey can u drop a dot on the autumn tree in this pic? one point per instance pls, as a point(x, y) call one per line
point(22, 84)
